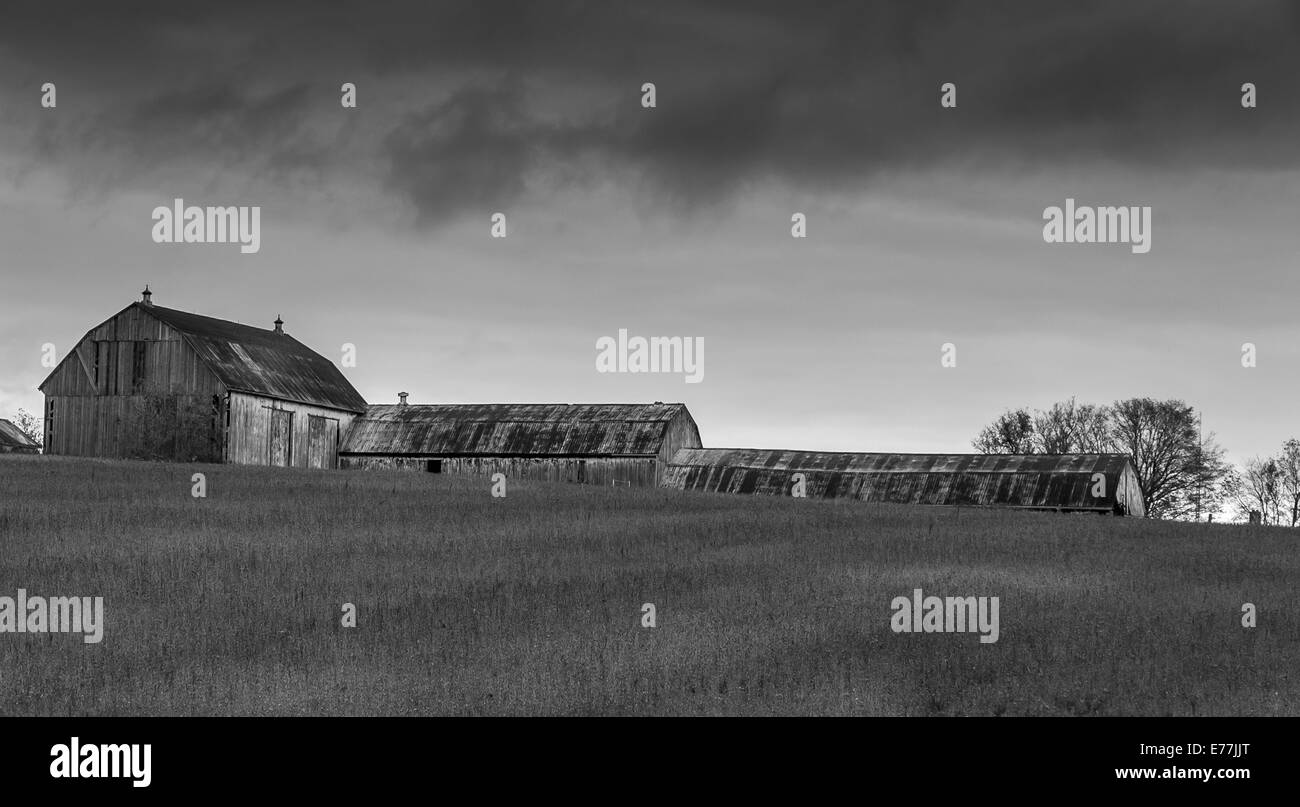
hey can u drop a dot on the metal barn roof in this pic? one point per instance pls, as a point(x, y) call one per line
point(10, 437)
point(512, 429)
point(261, 361)
point(1049, 481)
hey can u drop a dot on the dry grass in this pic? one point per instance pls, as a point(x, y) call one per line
point(531, 604)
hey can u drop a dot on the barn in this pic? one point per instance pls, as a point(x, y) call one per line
point(13, 441)
point(1104, 483)
point(157, 383)
point(596, 444)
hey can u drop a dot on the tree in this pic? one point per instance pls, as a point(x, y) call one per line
point(1011, 433)
point(1209, 470)
point(1180, 472)
point(1256, 487)
point(1092, 429)
point(1162, 439)
point(30, 426)
point(1071, 428)
point(1288, 466)
point(1054, 430)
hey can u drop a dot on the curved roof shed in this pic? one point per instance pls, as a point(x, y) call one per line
point(1074, 482)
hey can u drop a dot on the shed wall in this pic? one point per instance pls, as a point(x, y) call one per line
point(249, 432)
point(604, 471)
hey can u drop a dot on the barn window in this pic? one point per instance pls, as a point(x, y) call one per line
point(95, 349)
point(433, 466)
point(137, 365)
point(49, 424)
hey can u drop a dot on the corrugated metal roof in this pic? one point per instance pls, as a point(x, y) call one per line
point(512, 429)
point(1055, 481)
point(11, 437)
point(262, 361)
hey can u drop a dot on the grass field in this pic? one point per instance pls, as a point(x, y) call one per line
point(231, 605)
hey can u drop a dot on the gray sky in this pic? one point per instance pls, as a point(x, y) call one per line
point(924, 224)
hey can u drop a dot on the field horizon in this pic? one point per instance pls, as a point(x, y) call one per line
point(532, 604)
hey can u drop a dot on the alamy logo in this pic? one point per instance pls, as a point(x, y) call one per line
point(1100, 225)
point(179, 224)
point(76, 761)
point(658, 354)
point(946, 615)
point(23, 614)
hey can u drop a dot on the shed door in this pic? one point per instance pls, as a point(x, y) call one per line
point(281, 437)
point(323, 441)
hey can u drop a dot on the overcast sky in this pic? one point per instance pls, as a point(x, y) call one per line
point(925, 224)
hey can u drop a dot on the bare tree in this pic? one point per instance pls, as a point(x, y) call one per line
point(1205, 491)
point(1288, 466)
point(1162, 439)
point(1055, 429)
point(1179, 471)
point(1256, 488)
point(1069, 427)
point(1011, 433)
point(1092, 429)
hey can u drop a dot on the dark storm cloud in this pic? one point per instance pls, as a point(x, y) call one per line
point(813, 95)
point(209, 127)
point(471, 151)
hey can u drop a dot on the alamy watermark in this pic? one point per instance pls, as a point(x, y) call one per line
point(179, 224)
point(76, 761)
point(920, 614)
point(1098, 225)
point(24, 614)
point(656, 354)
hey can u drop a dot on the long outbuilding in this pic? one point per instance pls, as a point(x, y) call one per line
point(598, 444)
point(1104, 483)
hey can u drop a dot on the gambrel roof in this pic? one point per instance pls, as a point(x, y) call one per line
point(258, 360)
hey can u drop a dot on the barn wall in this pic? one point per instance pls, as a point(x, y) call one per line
point(132, 387)
point(604, 471)
point(1128, 494)
point(680, 433)
point(133, 426)
point(249, 423)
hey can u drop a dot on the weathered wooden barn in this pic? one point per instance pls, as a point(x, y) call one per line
point(1105, 483)
point(13, 441)
point(597, 444)
point(156, 383)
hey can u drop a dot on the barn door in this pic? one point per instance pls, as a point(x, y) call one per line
point(322, 445)
point(281, 438)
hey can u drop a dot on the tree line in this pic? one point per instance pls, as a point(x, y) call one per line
point(1182, 471)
